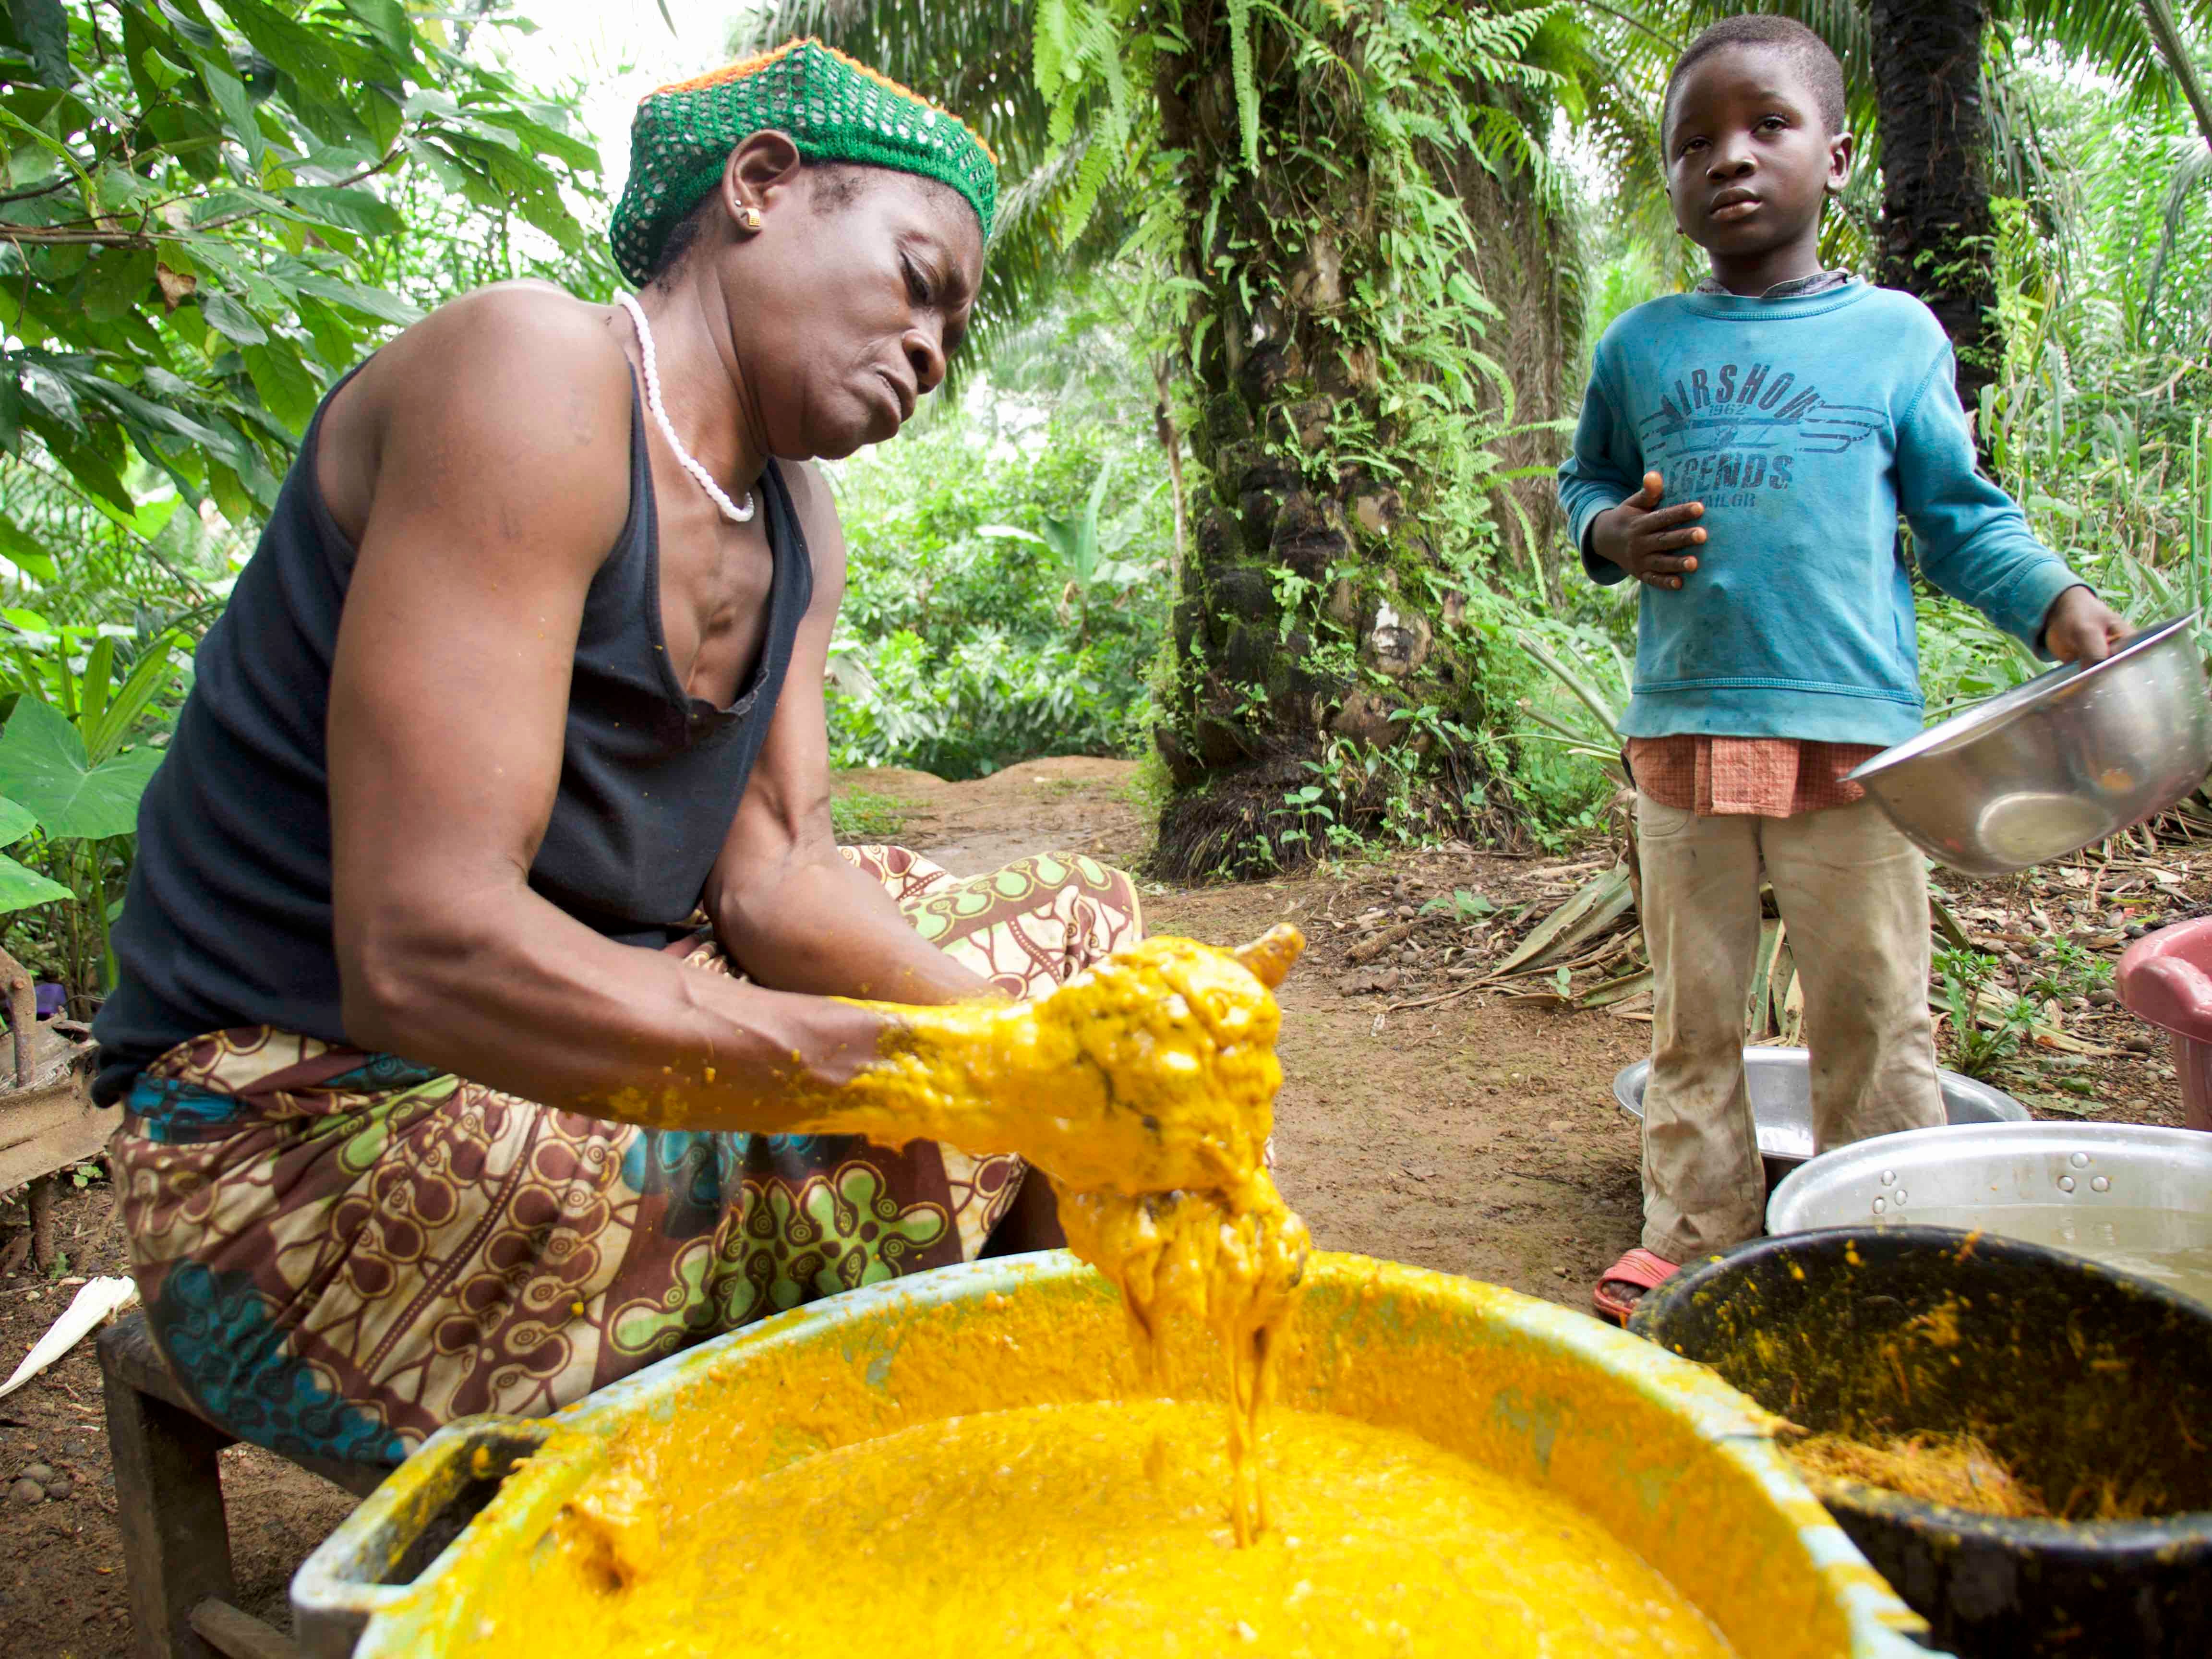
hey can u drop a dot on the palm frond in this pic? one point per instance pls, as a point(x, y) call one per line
point(2120, 38)
point(2193, 168)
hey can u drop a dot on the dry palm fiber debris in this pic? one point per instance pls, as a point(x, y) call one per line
point(1957, 1469)
point(1960, 1470)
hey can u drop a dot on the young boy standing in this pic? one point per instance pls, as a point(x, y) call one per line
point(1785, 415)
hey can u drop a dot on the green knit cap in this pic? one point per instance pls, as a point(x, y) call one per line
point(836, 110)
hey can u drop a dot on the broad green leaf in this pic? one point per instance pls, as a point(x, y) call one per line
point(311, 60)
point(385, 307)
point(334, 341)
point(229, 318)
point(430, 100)
point(223, 205)
point(92, 469)
point(133, 407)
point(43, 26)
point(284, 382)
point(51, 393)
point(229, 94)
point(121, 280)
point(354, 209)
point(17, 820)
point(27, 552)
point(387, 21)
point(43, 765)
point(22, 887)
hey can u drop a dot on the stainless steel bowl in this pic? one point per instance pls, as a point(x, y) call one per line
point(2056, 765)
point(1781, 1082)
point(2131, 1195)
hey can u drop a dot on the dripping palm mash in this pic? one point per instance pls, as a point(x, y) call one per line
point(1132, 1526)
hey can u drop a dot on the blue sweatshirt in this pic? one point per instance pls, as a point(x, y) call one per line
point(1805, 425)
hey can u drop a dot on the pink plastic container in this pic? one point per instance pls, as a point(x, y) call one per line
point(2166, 978)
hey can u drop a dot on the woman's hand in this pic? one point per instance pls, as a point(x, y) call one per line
point(1152, 1072)
point(1646, 539)
point(1157, 1068)
point(2082, 628)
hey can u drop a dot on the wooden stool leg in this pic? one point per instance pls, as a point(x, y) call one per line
point(168, 1501)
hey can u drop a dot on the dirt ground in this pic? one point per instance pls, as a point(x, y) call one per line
point(1422, 1119)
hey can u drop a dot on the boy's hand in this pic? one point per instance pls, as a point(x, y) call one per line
point(2082, 628)
point(1643, 539)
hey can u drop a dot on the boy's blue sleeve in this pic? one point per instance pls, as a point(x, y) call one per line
point(1605, 468)
point(1972, 539)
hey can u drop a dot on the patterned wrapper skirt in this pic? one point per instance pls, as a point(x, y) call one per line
point(340, 1251)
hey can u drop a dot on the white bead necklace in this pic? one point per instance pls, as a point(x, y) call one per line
point(729, 509)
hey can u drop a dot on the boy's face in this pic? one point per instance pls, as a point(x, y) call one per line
point(1749, 157)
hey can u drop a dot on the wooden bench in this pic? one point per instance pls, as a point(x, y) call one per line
point(168, 1502)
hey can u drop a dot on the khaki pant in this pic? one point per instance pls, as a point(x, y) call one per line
point(1853, 894)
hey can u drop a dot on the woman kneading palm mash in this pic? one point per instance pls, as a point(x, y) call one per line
point(479, 1028)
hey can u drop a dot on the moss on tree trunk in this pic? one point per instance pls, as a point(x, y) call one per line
point(1318, 601)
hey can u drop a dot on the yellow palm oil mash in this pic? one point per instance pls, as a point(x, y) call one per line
point(1097, 1528)
point(1145, 1088)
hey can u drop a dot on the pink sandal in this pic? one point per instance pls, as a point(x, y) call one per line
point(1639, 1268)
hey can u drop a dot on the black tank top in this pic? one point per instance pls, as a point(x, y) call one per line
point(227, 921)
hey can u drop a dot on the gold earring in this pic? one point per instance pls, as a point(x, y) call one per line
point(749, 218)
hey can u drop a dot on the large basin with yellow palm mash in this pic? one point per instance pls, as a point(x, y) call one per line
point(553, 1538)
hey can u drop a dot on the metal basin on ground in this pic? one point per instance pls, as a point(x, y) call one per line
point(2132, 1195)
point(2074, 1375)
point(1781, 1082)
point(1674, 1464)
point(2057, 764)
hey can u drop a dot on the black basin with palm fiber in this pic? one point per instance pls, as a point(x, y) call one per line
point(2082, 1379)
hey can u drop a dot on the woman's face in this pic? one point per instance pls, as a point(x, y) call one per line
point(846, 303)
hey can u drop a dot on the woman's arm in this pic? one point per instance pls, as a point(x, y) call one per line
point(787, 907)
point(502, 435)
point(500, 430)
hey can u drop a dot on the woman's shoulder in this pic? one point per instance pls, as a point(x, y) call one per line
point(521, 331)
point(520, 388)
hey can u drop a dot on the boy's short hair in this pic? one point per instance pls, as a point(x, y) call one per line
point(1806, 50)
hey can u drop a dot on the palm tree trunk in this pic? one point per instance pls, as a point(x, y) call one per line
point(1519, 263)
point(1310, 608)
point(1170, 438)
point(1937, 228)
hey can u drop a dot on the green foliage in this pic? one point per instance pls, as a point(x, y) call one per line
point(2098, 421)
point(1462, 906)
point(2069, 970)
point(1597, 678)
point(1086, 54)
point(1968, 979)
point(999, 606)
point(208, 209)
point(75, 770)
point(22, 887)
point(46, 764)
point(191, 200)
point(864, 814)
